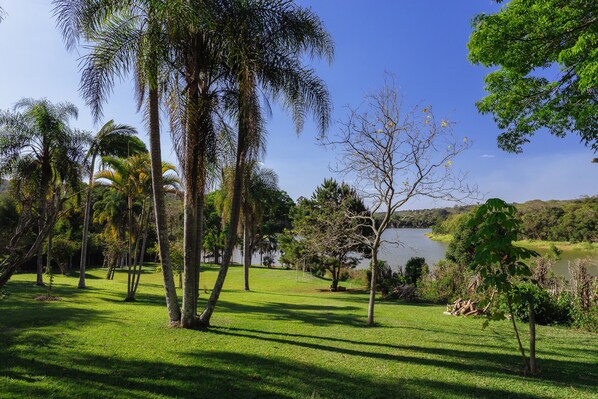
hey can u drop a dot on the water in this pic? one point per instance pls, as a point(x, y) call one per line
point(402, 244)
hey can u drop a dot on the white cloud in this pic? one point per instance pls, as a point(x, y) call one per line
point(488, 156)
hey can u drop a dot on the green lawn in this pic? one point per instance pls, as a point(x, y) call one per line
point(288, 338)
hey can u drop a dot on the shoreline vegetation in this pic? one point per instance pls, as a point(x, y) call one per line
point(565, 246)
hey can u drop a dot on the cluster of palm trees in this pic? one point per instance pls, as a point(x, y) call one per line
point(212, 65)
point(46, 160)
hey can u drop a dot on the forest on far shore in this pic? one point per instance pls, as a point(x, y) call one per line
point(574, 220)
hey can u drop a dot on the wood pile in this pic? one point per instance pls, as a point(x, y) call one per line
point(462, 307)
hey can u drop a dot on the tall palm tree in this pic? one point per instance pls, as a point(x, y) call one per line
point(111, 140)
point(40, 150)
point(262, 45)
point(125, 36)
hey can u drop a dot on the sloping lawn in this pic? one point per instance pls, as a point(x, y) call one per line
point(288, 338)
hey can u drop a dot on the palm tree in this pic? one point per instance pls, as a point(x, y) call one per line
point(262, 44)
point(132, 177)
point(127, 35)
point(111, 140)
point(258, 182)
point(40, 150)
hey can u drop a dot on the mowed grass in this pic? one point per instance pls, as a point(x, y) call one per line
point(288, 338)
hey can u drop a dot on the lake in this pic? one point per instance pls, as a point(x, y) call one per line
point(402, 244)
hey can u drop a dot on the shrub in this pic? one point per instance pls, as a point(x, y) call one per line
point(445, 284)
point(586, 319)
point(549, 309)
point(414, 268)
point(387, 280)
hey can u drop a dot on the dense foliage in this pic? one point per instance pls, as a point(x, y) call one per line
point(547, 74)
point(571, 220)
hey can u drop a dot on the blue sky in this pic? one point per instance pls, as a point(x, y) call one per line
point(423, 44)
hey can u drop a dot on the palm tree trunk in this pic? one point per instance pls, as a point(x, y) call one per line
point(231, 237)
point(199, 212)
point(87, 218)
point(189, 313)
point(172, 302)
point(142, 252)
point(247, 130)
point(40, 251)
point(246, 248)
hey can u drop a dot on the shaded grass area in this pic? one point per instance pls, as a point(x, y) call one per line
point(286, 339)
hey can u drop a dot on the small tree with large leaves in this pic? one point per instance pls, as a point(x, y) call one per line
point(495, 225)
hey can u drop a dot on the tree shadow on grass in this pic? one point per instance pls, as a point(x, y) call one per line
point(558, 372)
point(217, 374)
point(316, 315)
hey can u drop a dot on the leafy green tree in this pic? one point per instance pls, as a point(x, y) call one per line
point(414, 269)
point(326, 225)
point(547, 73)
point(214, 235)
point(44, 156)
point(495, 226)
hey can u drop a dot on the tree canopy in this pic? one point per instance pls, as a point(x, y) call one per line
point(546, 52)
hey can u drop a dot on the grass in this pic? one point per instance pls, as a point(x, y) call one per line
point(288, 338)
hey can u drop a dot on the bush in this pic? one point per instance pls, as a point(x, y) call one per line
point(549, 309)
point(414, 268)
point(445, 284)
point(586, 319)
point(387, 280)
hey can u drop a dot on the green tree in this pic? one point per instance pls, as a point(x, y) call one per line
point(495, 226)
point(43, 154)
point(132, 177)
point(111, 140)
point(547, 74)
point(326, 225)
point(414, 269)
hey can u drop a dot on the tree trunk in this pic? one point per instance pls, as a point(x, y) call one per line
point(189, 313)
point(200, 222)
point(86, 220)
point(374, 268)
point(172, 302)
point(521, 350)
point(532, 339)
point(230, 243)
point(247, 130)
point(246, 248)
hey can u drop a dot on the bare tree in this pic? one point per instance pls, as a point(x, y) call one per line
point(394, 156)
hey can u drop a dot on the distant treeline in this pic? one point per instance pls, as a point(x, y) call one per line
point(426, 218)
point(568, 220)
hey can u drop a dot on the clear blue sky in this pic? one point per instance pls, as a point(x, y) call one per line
point(422, 43)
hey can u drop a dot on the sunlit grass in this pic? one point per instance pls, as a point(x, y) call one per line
point(288, 338)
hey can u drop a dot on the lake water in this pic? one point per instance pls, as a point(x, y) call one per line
point(402, 244)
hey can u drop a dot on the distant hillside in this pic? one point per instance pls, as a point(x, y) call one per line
point(535, 209)
point(426, 218)
point(554, 220)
